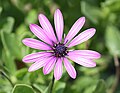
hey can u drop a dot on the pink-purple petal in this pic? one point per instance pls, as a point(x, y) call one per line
point(46, 25)
point(75, 29)
point(59, 24)
point(40, 33)
point(36, 44)
point(38, 64)
point(85, 54)
point(82, 61)
point(70, 69)
point(82, 37)
point(49, 66)
point(58, 69)
point(35, 56)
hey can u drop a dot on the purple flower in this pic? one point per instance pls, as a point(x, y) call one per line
point(56, 49)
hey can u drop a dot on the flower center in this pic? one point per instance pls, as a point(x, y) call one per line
point(60, 50)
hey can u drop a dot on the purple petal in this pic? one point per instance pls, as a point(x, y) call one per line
point(49, 66)
point(82, 37)
point(58, 69)
point(59, 24)
point(75, 29)
point(85, 54)
point(46, 25)
point(36, 44)
point(82, 61)
point(38, 64)
point(70, 69)
point(40, 33)
point(35, 56)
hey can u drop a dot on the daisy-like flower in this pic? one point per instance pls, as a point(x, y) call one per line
point(57, 49)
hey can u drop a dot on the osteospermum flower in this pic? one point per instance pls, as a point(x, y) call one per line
point(56, 49)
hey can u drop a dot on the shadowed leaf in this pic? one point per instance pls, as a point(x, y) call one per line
point(22, 88)
point(101, 87)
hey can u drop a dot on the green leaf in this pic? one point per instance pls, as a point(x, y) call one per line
point(22, 32)
point(7, 24)
point(93, 13)
point(11, 44)
point(9, 62)
point(20, 74)
point(47, 90)
point(59, 87)
point(82, 84)
point(22, 88)
point(31, 17)
point(112, 38)
point(33, 76)
point(0, 10)
point(39, 87)
point(101, 87)
point(1, 47)
point(113, 5)
point(5, 86)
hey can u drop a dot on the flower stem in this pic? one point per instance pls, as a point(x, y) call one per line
point(35, 88)
point(5, 75)
point(53, 79)
point(117, 76)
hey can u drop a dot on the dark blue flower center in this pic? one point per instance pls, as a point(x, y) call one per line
point(60, 50)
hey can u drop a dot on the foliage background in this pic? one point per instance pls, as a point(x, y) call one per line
point(15, 17)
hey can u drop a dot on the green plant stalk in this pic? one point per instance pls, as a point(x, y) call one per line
point(117, 76)
point(4, 74)
point(53, 79)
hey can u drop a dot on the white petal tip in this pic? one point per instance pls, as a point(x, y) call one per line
point(92, 65)
point(83, 18)
point(24, 41)
point(32, 25)
point(40, 15)
point(23, 60)
point(73, 77)
point(99, 56)
point(45, 73)
point(57, 78)
point(30, 70)
point(58, 10)
point(93, 30)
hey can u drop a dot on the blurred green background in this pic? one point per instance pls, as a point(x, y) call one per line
point(15, 17)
